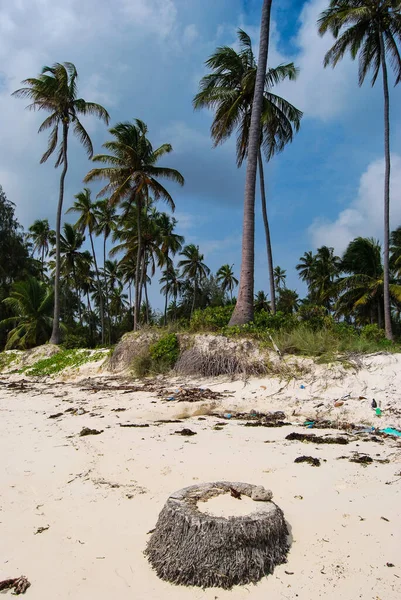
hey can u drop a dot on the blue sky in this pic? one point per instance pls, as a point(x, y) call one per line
point(144, 58)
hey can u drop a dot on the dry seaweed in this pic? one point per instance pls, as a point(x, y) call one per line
point(192, 548)
point(314, 462)
point(134, 424)
point(19, 584)
point(316, 439)
point(186, 431)
point(362, 459)
point(195, 394)
point(87, 431)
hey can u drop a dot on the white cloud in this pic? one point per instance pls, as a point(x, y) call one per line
point(364, 216)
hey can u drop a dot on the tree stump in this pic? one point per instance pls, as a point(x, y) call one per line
point(193, 548)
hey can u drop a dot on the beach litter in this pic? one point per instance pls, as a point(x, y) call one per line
point(391, 431)
point(316, 439)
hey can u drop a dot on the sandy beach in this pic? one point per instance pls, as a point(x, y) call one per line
point(97, 497)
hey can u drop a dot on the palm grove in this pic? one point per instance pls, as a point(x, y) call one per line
point(54, 285)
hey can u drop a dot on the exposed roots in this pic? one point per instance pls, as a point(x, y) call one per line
point(211, 364)
point(189, 547)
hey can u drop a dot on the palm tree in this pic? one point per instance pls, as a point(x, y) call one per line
point(194, 268)
point(261, 302)
point(106, 222)
point(395, 249)
point(361, 292)
point(172, 284)
point(87, 220)
point(279, 277)
point(132, 175)
point(229, 89)
point(70, 244)
point(371, 30)
point(41, 236)
point(305, 267)
point(170, 244)
point(55, 90)
point(225, 276)
point(326, 268)
point(31, 302)
point(288, 301)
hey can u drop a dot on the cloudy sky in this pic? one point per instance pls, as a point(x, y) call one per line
point(144, 58)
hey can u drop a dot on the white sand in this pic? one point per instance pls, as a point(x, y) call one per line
point(100, 495)
point(225, 505)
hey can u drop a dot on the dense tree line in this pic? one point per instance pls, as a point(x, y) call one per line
point(93, 299)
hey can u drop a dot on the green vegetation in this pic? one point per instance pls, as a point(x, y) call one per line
point(159, 357)
point(62, 360)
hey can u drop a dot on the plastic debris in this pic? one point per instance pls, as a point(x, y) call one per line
point(378, 412)
point(227, 415)
point(338, 403)
point(374, 403)
point(391, 431)
point(302, 387)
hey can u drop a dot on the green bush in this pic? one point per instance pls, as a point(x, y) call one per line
point(167, 349)
point(372, 333)
point(211, 318)
point(265, 320)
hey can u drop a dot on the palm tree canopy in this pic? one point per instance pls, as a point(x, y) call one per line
point(229, 91)
point(105, 217)
point(225, 276)
point(192, 264)
point(83, 205)
point(31, 302)
point(41, 235)
point(55, 90)
point(133, 166)
point(358, 25)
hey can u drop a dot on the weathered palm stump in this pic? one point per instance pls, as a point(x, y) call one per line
point(191, 547)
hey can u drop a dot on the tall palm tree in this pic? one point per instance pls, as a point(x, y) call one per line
point(70, 254)
point(305, 267)
point(31, 302)
point(172, 284)
point(279, 277)
point(55, 91)
point(229, 89)
point(361, 291)
point(371, 30)
point(288, 301)
point(170, 244)
point(193, 267)
point(225, 277)
point(133, 175)
point(87, 220)
point(106, 222)
point(42, 237)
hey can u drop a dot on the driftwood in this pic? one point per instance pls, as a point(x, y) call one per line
point(189, 547)
point(19, 584)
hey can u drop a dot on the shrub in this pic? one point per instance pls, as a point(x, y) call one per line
point(372, 333)
point(265, 320)
point(211, 318)
point(167, 349)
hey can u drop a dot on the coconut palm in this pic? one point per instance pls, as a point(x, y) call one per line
point(225, 277)
point(288, 301)
point(31, 302)
point(172, 284)
point(133, 175)
point(261, 302)
point(170, 243)
point(361, 291)
point(305, 267)
point(70, 254)
point(42, 237)
point(55, 90)
point(279, 277)
point(370, 30)
point(106, 222)
point(229, 89)
point(193, 267)
point(395, 249)
point(87, 220)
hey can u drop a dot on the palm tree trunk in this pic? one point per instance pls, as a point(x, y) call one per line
point(386, 268)
point(106, 289)
point(77, 293)
point(243, 311)
point(267, 234)
point(194, 298)
point(145, 287)
point(55, 336)
point(99, 287)
point(165, 305)
point(43, 263)
point(138, 265)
